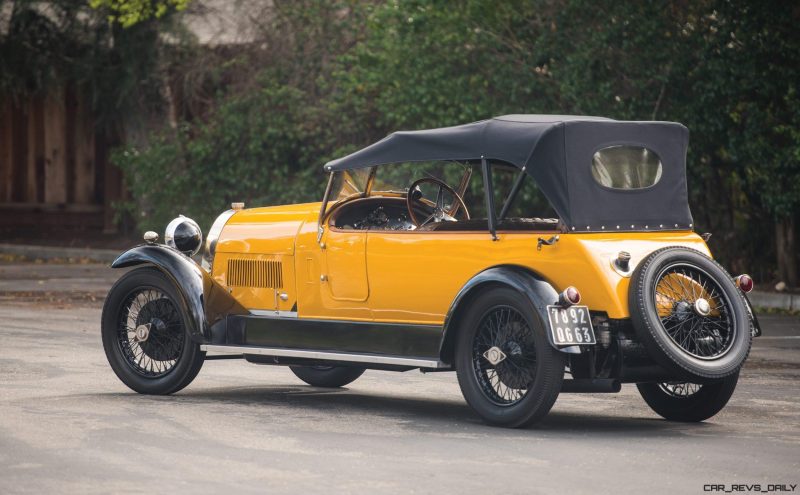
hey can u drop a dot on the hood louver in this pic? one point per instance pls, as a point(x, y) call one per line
point(255, 273)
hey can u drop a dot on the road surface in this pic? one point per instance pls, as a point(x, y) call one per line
point(67, 425)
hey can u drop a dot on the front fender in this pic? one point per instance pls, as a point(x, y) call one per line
point(539, 292)
point(203, 300)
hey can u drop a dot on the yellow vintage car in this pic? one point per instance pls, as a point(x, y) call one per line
point(513, 251)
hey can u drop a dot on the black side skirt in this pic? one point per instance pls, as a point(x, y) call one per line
point(364, 343)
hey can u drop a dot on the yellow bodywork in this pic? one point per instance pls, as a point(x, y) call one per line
point(410, 276)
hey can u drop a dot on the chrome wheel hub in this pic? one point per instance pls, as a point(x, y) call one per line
point(142, 332)
point(702, 307)
point(494, 355)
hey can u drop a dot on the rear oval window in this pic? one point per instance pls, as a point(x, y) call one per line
point(626, 167)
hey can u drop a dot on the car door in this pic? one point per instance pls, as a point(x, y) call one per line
point(344, 265)
point(415, 276)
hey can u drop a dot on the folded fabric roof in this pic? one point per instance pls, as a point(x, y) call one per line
point(557, 151)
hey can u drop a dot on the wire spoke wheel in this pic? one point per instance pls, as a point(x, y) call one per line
point(509, 373)
point(150, 332)
point(680, 390)
point(507, 381)
point(694, 311)
point(689, 315)
point(688, 401)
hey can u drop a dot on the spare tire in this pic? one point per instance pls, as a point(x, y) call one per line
point(689, 314)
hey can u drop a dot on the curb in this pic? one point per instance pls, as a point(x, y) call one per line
point(59, 253)
point(790, 302)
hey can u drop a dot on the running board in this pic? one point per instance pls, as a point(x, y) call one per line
point(346, 357)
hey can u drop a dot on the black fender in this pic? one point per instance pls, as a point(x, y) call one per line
point(538, 291)
point(203, 300)
point(755, 325)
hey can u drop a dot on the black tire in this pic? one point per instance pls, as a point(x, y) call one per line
point(327, 376)
point(168, 360)
point(688, 402)
point(693, 344)
point(532, 370)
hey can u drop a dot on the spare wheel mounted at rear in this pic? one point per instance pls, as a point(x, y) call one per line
point(689, 314)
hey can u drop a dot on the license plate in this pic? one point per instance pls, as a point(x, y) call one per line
point(571, 326)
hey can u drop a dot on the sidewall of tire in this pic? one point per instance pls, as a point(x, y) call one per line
point(191, 359)
point(550, 364)
point(707, 402)
point(655, 338)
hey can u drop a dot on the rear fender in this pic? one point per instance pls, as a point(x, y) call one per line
point(755, 326)
point(539, 292)
point(203, 300)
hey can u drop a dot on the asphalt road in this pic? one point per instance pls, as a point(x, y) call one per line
point(67, 425)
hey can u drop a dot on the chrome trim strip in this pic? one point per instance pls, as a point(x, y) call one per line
point(324, 355)
point(323, 207)
point(213, 236)
point(272, 312)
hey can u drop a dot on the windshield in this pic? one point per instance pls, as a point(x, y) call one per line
point(396, 178)
point(463, 177)
point(399, 176)
point(349, 184)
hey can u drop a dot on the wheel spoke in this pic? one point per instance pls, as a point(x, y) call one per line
point(685, 288)
point(431, 217)
point(507, 382)
point(681, 390)
point(158, 353)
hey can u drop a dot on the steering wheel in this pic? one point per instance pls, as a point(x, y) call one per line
point(439, 213)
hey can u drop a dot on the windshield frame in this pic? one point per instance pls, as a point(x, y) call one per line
point(469, 168)
point(325, 210)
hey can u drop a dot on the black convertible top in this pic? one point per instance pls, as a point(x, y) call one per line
point(557, 151)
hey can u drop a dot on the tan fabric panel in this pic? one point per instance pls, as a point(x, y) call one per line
point(6, 153)
point(55, 165)
point(84, 152)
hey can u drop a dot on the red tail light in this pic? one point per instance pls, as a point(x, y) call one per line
point(569, 297)
point(744, 283)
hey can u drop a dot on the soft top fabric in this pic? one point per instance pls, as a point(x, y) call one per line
point(557, 151)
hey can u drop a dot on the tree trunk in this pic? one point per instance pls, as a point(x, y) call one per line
point(787, 255)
